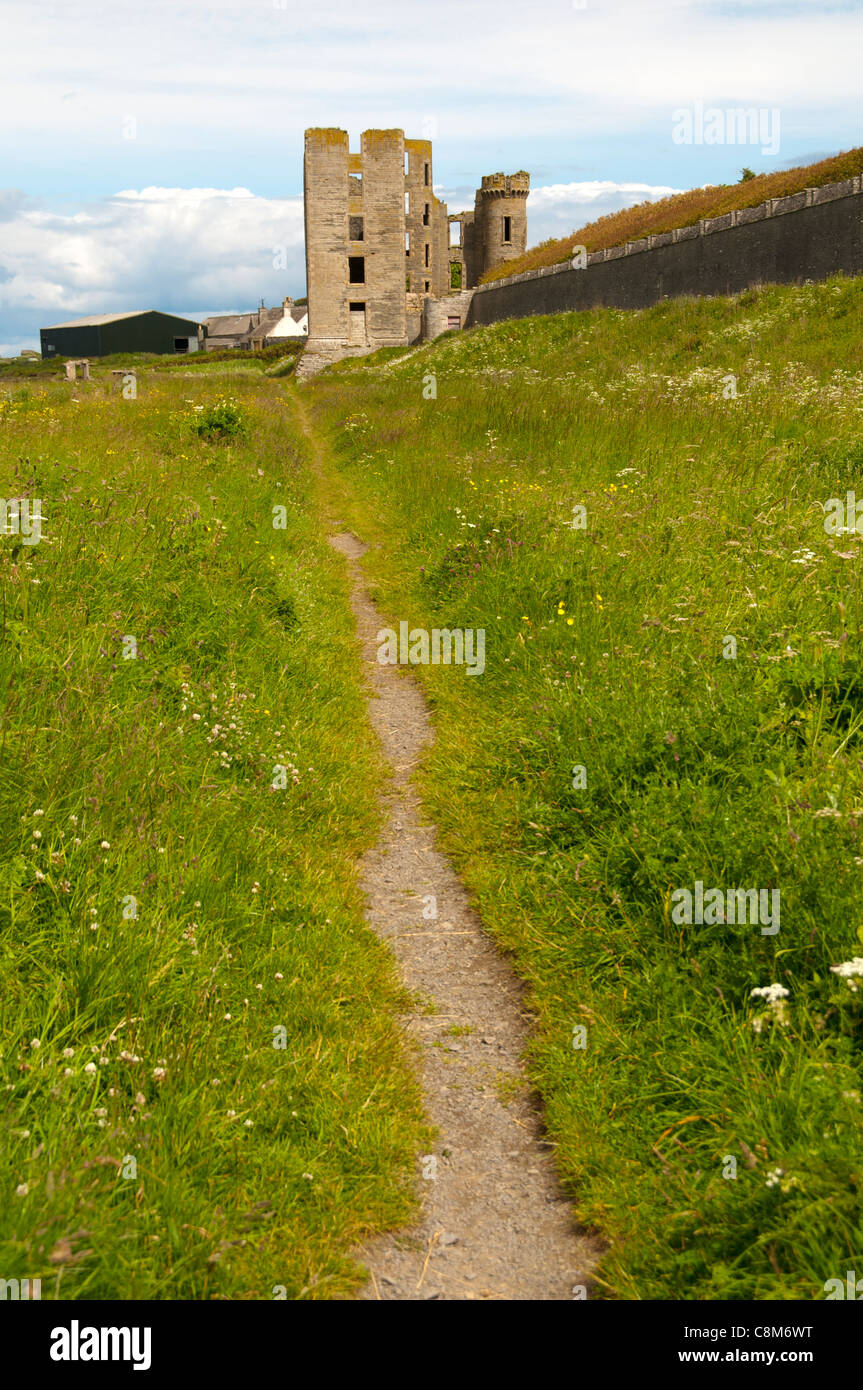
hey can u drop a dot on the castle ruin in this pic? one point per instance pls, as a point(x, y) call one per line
point(380, 267)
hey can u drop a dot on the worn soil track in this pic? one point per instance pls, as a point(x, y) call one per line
point(495, 1224)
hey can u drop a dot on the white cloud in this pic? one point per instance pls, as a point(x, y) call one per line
point(154, 248)
point(561, 208)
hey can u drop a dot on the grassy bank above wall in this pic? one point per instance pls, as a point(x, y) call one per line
point(682, 210)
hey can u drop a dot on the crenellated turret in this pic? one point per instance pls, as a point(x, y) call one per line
point(500, 220)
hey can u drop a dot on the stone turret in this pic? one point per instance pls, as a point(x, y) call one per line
point(500, 220)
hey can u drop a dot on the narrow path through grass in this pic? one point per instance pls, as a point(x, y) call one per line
point(495, 1224)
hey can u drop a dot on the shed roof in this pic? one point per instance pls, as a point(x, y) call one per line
point(94, 319)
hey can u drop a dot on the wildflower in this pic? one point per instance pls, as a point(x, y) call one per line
point(68, 1052)
point(771, 993)
point(35, 1042)
point(775, 996)
point(90, 1069)
point(847, 970)
point(159, 1073)
point(22, 1189)
point(774, 1176)
point(104, 844)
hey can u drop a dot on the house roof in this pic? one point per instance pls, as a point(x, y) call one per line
point(229, 325)
point(94, 319)
point(269, 318)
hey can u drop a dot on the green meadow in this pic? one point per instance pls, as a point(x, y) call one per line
point(202, 1089)
point(632, 506)
point(203, 1086)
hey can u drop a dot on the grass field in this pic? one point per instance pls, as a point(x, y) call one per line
point(202, 1089)
point(673, 693)
point(201, 1080)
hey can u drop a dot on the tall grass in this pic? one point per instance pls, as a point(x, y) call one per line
point(713, 1136)
point(202, 1089)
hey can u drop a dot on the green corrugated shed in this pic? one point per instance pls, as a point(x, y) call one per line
point(147, 330)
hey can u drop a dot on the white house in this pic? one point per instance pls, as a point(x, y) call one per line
point(294, 322)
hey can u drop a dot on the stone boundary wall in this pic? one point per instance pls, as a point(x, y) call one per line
point(807, 236)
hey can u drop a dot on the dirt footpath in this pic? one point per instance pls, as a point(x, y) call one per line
point(495, 1224)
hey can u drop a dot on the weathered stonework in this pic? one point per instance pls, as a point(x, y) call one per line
point(377, 242)
point(442, 315)
point(500, 220)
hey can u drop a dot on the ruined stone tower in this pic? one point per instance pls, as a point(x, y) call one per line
point(500, 219)
point(377, 242)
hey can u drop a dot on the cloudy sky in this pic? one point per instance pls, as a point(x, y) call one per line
point(152, 153)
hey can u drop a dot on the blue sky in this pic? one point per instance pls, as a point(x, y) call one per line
point(152, 155)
